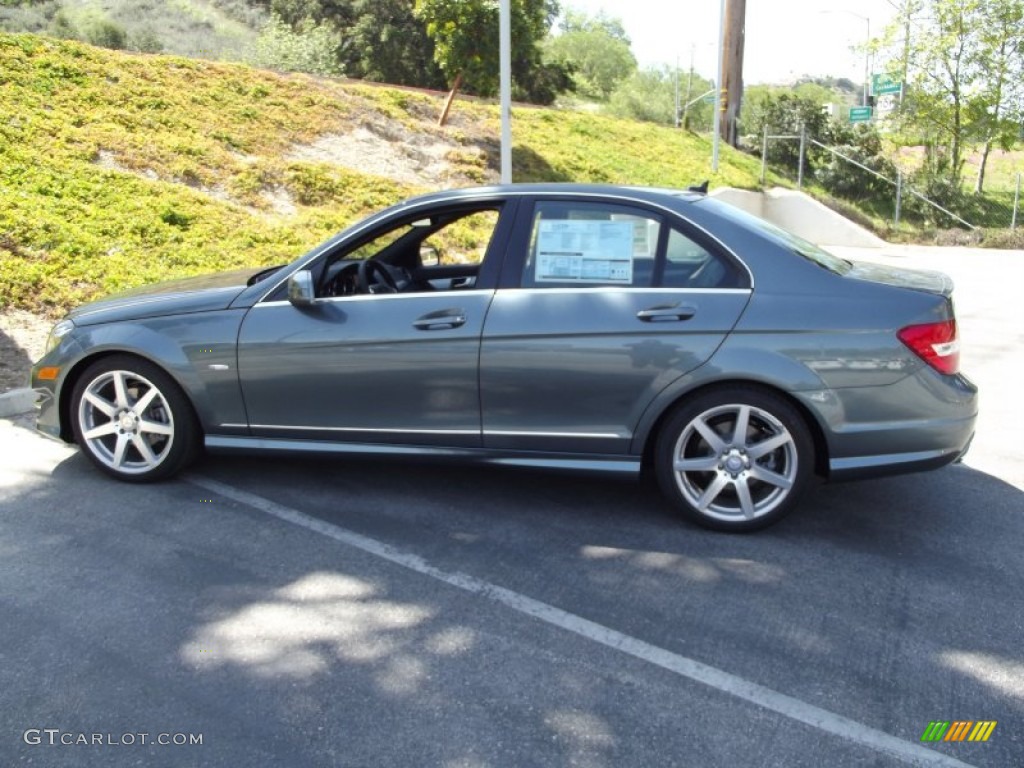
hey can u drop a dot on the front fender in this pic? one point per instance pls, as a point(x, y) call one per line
point(199, 351)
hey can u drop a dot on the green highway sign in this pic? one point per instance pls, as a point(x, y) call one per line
point(860, 114)
point(881, 84)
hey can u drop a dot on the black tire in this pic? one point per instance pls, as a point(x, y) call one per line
point(729, 482)
point(132, 420)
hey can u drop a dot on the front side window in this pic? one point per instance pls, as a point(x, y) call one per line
point(443, 251)
point(463, 241)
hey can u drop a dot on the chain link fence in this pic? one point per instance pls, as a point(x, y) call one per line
point(890, 198)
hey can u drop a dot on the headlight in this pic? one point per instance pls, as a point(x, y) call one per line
point(61, 329)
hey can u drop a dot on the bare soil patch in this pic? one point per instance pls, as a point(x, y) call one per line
point(22, 341)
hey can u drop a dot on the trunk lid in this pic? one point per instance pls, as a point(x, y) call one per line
point(914, 279)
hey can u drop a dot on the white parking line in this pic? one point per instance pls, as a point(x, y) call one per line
point(795, 709)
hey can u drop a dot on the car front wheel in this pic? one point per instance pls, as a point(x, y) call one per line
point(734, 459)
point(132, 420)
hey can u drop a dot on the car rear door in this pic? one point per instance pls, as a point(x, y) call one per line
point(603, 304)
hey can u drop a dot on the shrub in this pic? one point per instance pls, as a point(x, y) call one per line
point(61, 26)
point(147, 40)
point(106, 34)
point(311, 48)
point(845, 179)
point(1011, 239)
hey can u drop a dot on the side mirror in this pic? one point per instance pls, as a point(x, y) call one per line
point(430, 256)
point(300, 288)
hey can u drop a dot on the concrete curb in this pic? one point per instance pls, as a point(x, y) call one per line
point(17, 401)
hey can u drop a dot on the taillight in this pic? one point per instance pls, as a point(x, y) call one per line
point(936, 343)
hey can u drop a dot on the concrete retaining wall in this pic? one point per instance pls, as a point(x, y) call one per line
point(800, 214)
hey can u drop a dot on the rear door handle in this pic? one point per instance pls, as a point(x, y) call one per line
point(441, 320)
point(667, 313)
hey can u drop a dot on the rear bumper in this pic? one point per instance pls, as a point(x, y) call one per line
point(922, 422)
point(860, 467)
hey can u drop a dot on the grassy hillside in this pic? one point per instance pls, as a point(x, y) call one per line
point(120, 169)
point(210, 29)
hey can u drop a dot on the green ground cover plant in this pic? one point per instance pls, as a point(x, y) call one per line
point(120, 169)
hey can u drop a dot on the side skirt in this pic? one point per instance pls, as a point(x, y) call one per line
point(626, 466)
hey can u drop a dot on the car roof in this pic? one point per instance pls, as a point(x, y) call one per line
point(664, 196)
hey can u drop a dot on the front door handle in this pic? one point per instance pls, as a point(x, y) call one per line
point(443, 319)
point(667, 313)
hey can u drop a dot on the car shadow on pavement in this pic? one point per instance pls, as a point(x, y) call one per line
point(947, 505)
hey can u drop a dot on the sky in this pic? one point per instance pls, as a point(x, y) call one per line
point(784, 38)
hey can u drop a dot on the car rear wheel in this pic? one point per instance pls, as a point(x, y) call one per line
point(734, 459)
point(132, 420)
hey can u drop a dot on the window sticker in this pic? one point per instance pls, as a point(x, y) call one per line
point(582, 251)
point(643, 229)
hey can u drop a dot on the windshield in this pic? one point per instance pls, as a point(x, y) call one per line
point(788, 240)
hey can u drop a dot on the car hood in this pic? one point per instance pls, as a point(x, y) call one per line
point(915, 279)
point(193, 294)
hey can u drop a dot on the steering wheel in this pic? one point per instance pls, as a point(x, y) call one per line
point(374, 277)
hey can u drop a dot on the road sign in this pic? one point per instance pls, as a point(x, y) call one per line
point(885, 84)
point(710, 98)
point(860, 114)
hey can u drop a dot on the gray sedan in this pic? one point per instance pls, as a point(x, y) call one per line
point(559, 326)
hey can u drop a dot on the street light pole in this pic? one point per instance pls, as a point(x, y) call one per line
point(867, 61)
point(689, 87)
point(676, 116)
point(505, 76)
point(716, 129)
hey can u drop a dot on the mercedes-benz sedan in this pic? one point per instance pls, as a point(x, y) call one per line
point(562, 326)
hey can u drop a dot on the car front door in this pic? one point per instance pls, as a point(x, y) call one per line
point(610, 304)
point(398, 367)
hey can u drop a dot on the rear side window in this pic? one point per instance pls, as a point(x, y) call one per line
point(591, 244)
point(606, 244)
point(688, 264)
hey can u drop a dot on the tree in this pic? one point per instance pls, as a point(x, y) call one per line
point(962, 65)
point(465, 35)
point(788, 112)
point(785, 113)
point(650, 95)
point(996, 114)
point(596, 50)
point(296, 12)
point(385, 42)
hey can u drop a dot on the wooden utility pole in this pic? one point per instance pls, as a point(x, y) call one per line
point(732, 69)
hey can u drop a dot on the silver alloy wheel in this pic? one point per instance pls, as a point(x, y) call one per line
point(126, 422)
point(735, 462)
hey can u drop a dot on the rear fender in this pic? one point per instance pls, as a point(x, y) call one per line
point(732, 364)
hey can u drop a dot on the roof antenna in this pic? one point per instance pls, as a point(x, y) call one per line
point(702, 188)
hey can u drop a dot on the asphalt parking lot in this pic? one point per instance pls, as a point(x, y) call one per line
point(306, 612)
